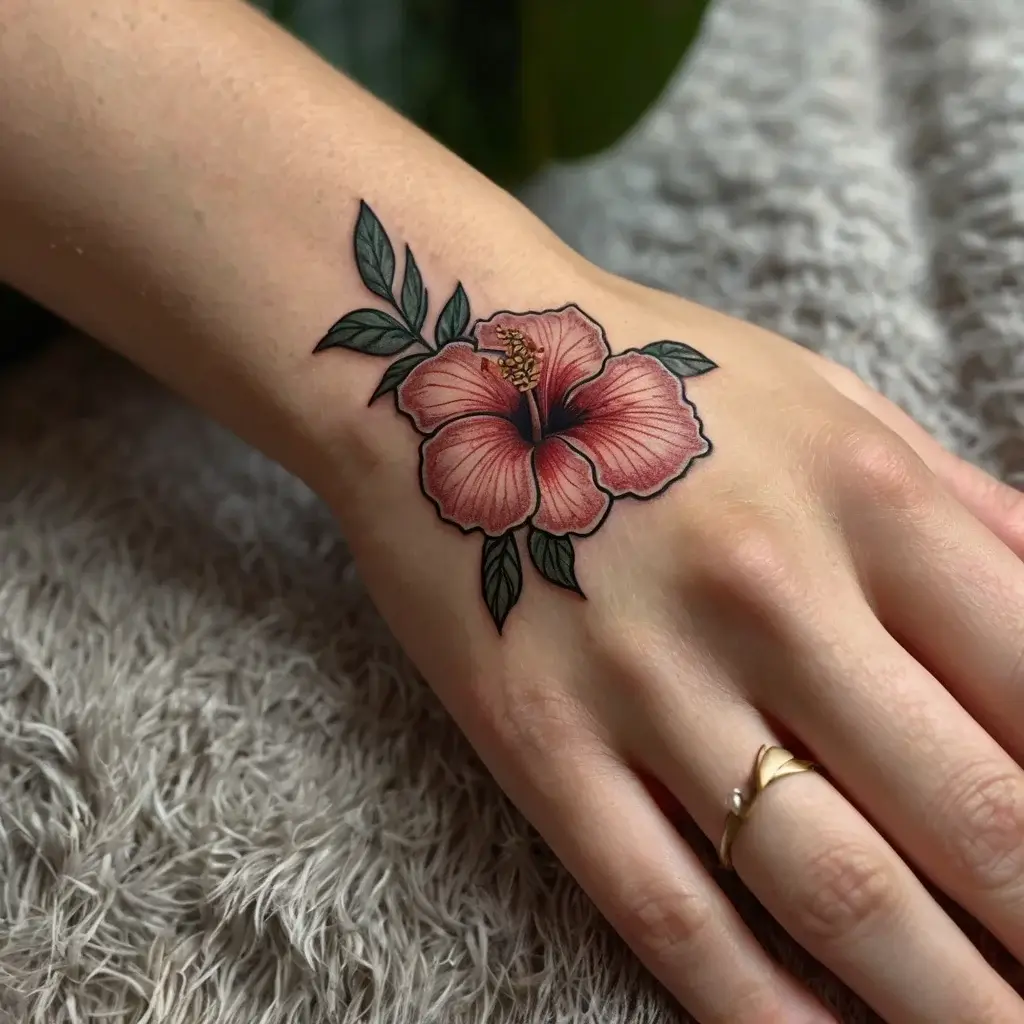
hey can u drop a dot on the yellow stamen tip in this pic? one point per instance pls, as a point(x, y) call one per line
point(522, 361)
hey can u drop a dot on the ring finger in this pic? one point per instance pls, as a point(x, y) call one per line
point(827, 876)
point(605, 826)
point(834, 883)
point(925, 771)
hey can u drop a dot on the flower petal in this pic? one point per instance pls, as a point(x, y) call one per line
point(636, 425)
point(572, 347)
point(455, 382)
point(477, 470)
point(570, 500)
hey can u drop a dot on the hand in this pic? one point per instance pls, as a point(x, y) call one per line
point(825, 577)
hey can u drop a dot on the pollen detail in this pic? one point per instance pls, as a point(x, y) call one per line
point(521, 364)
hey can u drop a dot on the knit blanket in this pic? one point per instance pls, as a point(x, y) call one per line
point(225, 796)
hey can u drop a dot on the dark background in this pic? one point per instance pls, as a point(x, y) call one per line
point(510, 85)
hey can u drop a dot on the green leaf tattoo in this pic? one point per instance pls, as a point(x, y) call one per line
point(397, 372)
point(554, 558)
point(454, 318)
point(501, 573)
point(370, 331)
point(374, 256)
point(531, 429)
point(414, 295)
point(680, 359)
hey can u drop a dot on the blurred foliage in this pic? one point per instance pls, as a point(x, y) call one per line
point(591, 68)
point(508, 84)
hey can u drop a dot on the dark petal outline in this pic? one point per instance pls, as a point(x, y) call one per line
point(540, 312)
point(472, 339)
point(593, 474)
point(609, 354)
point(689, 465)
point(646, 355)
point(437, 508)
point(462, 415)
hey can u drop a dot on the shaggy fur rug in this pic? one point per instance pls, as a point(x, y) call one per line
point(225, 798)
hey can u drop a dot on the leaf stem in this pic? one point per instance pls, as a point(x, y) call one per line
point(416, 334)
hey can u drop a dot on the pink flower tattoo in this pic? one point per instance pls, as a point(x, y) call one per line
point(531, 426)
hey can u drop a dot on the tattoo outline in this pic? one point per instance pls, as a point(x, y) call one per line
point(529, 423)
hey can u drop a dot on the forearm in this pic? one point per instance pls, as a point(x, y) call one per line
point(180, 178)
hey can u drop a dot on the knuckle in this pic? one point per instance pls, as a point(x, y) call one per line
point(751, 560)
point(884, 470)
point(752, 579)
point(986, 826)
point(847, 888)
point(674, 932)
point(666, 924)
point(539, 718)
point(752, 1003)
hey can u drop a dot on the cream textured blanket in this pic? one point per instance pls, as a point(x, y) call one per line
point(225, 798)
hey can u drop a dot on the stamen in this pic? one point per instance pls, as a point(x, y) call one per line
point(522, 361)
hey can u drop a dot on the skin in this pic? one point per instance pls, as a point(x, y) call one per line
point(180, 179)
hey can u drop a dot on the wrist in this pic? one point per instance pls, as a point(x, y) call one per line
point(216, 252)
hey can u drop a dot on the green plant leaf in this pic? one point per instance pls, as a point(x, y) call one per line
point(507, 84)
point(501, 573)
point(283, 11)
point(414, 294)
point(554, 558)
point(591, 68)
point(397, 372)
point(370, 331)
point(454, 318)
point(680, 359)
point(375, 257)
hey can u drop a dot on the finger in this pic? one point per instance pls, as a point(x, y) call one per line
point(905, 751)
point(605, 827)
point(832, 881)
point(952, 593)
point(997, 505)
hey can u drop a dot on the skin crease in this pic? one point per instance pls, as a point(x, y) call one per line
point(769, 585)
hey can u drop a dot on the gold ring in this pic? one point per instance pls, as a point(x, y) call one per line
point(772, 763)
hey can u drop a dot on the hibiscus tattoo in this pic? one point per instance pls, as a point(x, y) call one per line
point(530, 426)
